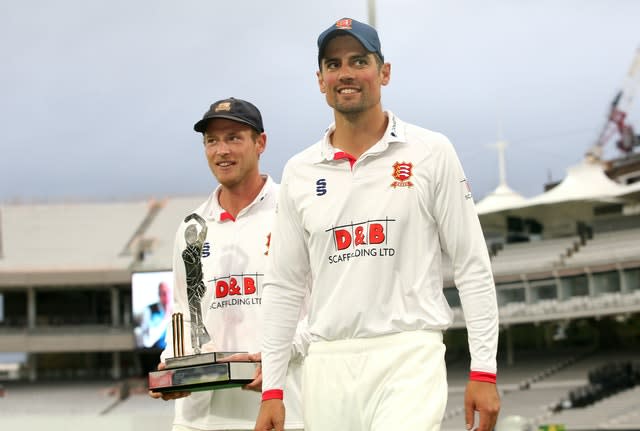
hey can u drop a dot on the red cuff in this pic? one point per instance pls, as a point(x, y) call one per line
point(480, 376)
point(272, 394)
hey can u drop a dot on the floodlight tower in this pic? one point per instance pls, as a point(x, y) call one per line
point(371, 9)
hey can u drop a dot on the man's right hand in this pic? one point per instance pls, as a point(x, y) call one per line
point(271, 416)
point(167, 395)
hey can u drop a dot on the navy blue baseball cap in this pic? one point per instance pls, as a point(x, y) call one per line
point(232, 109)
point(364, 33)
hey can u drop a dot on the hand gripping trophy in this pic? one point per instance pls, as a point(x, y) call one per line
point(191, 256)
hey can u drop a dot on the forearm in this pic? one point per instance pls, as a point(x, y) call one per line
point(301, 340)
point(281, 308)
point(464, 241)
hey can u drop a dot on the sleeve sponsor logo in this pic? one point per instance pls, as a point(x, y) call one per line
point(268, 244)
point(466, 189)
point(402, 171)
point(355, 240)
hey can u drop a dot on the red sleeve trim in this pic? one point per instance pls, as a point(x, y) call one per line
point(480, 376)
point(272, 394)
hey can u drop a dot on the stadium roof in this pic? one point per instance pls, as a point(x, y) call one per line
point(586, 181)
point(502, 198)
point(162, 231)
point(585, 186)
point(87, 243)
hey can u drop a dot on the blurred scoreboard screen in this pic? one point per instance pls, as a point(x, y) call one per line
point(152, 302)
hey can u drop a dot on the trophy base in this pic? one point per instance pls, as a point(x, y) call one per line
point(189, 373)
point(198, 359)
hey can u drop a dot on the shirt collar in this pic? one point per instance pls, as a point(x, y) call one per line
point(394, 133)
point(214, 212)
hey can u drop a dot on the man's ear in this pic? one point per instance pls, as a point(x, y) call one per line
point(385, 71)
point(261, 141)
point(321, 84)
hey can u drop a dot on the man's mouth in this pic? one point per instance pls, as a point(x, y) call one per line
point(349, 90)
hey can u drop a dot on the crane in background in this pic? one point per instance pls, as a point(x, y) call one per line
point(616, 123)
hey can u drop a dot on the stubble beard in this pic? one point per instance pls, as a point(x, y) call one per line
point(350, 110)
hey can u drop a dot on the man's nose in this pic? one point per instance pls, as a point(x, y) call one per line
point(345, 74)
point(223, 148)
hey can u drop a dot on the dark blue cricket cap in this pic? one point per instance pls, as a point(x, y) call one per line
point(366, 35)
point(232, 109)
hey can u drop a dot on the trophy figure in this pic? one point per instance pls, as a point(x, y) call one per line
point(199, 371)
point(191, 257)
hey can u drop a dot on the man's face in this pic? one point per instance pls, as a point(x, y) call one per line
point(233, 151)
point(350, 77)
point(164, 293)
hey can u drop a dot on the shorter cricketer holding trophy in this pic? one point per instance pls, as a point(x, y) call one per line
point(220, 257)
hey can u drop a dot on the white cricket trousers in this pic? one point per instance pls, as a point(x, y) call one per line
point(393, 382)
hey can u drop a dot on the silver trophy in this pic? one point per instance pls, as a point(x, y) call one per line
point(192, 258)
point(200, 371)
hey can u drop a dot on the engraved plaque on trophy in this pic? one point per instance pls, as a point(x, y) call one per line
point(199, 371)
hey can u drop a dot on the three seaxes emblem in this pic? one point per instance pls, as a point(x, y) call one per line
point(401, 174)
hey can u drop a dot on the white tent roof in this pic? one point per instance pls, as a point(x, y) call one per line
point(502, 198)
point(586, 181)
point(585, 186)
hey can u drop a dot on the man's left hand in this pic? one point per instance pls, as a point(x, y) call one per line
point(256, 384)
point(481, 397)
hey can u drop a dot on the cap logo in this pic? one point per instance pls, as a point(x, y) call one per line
point(223, 106)
point(344, 24)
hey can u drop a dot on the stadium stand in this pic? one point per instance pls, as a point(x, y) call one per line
point(538, 382)
point(161, 233)
point(78, 398)
point(65, 243)
point(619, 411)
point(607, 248)
point(534, 256)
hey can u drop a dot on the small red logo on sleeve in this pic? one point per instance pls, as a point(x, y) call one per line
point(268, 244)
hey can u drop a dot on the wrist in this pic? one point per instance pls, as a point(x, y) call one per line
point(481, 376)
point(272, 394)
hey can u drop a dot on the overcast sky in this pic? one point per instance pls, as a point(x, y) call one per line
point(98, 98)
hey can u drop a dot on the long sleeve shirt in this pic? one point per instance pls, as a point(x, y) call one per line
point(370, 233)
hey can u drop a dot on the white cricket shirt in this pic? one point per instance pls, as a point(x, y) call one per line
point(234, 258)
point(371, 235)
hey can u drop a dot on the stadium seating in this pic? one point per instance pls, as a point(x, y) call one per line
point(534, 256)
point(607, 248)
point(551, 376)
